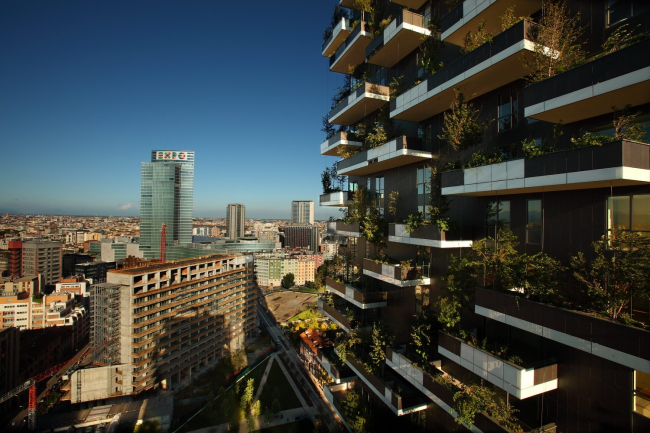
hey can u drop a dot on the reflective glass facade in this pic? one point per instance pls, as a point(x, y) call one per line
point(166, 196)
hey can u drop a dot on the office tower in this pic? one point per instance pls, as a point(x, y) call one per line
point(156, 325)
point(166, 197)
point(235, 219)
point(302, 236)
point(302, 212)
point(549, 162)
point(43, 257)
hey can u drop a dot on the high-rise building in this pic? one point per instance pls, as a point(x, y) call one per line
point(157, 324)
point(40, 256)
point(302, 236)
point(549, 162)
point(235, 219)
point(302, 212)
point(166, 197)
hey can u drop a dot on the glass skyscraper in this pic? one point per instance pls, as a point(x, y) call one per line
point(166, 197)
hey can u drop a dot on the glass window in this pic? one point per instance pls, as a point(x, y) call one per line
point(423, 185)
point(534, 222)
point(641, 213)
point(353, 186)
point(379, 194)
point(498, 217)
point(618, 10)
point(630, 213)
point(642, 393)
point(618, 213)
point(507, 110)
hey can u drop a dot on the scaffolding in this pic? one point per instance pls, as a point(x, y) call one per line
point(105, 329)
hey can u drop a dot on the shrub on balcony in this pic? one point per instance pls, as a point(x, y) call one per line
point(508, 18)
point(430, 47)
point(337, 15)
point(423, 334)
point(472, 41)
point(380, 339)
point(473, 399)
point(462, 128)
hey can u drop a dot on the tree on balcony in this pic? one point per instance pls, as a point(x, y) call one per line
point(557, 44)
point(381, 338)
point(430, 47)
point(337, 15)
point(462, 128)
point(424, 329)
point(618, 273)
point(355, 412)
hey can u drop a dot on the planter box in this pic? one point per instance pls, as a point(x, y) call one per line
point(339, 141)
point(520, 381)
point(613, 341)
point(334, 315)
point(430, 235)
point(338, 371)
point(396, 275)
point(355, 296)
point(336, 199)
point(395, 153)
point(343, 229)
point(366, 99)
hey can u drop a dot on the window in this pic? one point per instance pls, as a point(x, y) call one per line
point(642, 393)
point(353, 186)
point(619, 10)
point(379, 194)
point(498, 217)
point(629, 213)
point(534, 222)
point(507, 110)
point(424, 188)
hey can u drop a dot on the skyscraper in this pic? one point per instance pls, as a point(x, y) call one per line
point(166, 197)
point(235, 216)
point(302, 211)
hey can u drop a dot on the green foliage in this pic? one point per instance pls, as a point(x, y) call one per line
point(397, 86)
point(342, 91)
point(288, 281)
point(558, 33)
point(331, 180)
point(356, 414)
point(543, 275)
point(461, 279)
point(618, 272)
point(424, 327)
point(328, 128)
point(623, 37)
point(393, 204)
point(472, 41)
point(438, 203)
point(413, 221)
point(380, 338)
point(462, 128)
point(148, 426)
point(625, 127)
point(504, 267)
point(531, 149)
point(473, 399)
point(508, 19)
point(587, 138)
point(337, 15)
point(430, 47)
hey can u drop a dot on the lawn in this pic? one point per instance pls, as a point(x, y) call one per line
point(277, 387)
point(309, 313)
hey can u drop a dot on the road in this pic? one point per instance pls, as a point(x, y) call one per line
point(314, 393)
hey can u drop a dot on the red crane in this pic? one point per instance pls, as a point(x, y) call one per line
point(163, 243)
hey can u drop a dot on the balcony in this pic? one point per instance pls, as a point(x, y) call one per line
point(336, 199)
point(396, 153)
point(520, 381)
point(335, 394)
point(339, 141)
point(488, 67)
point(624, 345)
point(617, 79)
point(347, 3)
point(397, 275)
point(356, 296)
point(335, 315)
point(344, 229)
point(412, 4)
point(403, 35)
point(408, 399)
point(618, 163)
point(361, 102)
point(431, 236)
point(335, 368)
point(352, 51)
point(339, 34)
point(469, 14)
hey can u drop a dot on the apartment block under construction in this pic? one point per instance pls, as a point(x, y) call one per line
point(158, 324)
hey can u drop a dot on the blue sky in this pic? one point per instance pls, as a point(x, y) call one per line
point(89, 88)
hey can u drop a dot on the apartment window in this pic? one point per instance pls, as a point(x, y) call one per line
point(642, 393)
point(507, 110)
point(353, 186)
point(424, 188)
point(629, 213)
point(498, 217)
point(534, 222)
point(379, 194)
point(619, 10)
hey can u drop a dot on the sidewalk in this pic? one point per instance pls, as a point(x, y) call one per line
point(284, 417)
point(264, 377)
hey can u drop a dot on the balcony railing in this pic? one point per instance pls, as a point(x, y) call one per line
point(336, 38)
point(332, 364)
point(618, 163)
point(361, 102)
point(469, 14)
point(617, 79)
point(355, 296)
point(488, 67)
point(336, 199)
point(430, 235)
point(339, 141)
point(352, 51)
point(615, 342)
point(396, 153)
point(403, 35)
point(343, 229)
point(411, 400)
point(520, 381)
point(396, 274)
point(336, 316)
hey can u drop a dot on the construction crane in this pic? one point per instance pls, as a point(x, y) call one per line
point(31, 385)
point(163, 243)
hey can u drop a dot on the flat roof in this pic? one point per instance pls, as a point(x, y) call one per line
point(173, 263)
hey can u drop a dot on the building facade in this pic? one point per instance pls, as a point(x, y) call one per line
point(235, 221)
point(302, 212)
point(533, 172)
point(166, 197)
point(270, 269)
point(158, 324)
point(302, 236)
point(42, 257)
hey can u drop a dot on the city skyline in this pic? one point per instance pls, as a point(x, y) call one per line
point(88, 89)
